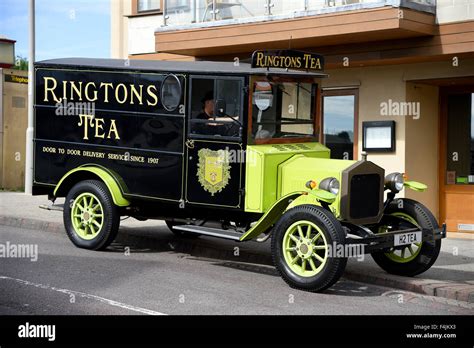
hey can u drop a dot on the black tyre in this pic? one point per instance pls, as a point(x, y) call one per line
point(301, 243)
point(178, 233)
point(416, 258)
point(90, 216)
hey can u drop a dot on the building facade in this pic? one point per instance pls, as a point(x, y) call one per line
point(13, 118)
point(411, 62)
point(13, 123)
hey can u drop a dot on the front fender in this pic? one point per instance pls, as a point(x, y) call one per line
point(101, 173)
point(271, 216)
point(284, 203)
point(308, 198)
point(415, 186)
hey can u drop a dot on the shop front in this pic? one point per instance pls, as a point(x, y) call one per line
point(456, 189)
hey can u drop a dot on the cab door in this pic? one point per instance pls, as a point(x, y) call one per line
point(215, 156)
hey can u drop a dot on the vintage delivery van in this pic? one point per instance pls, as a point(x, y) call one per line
point(223, 149)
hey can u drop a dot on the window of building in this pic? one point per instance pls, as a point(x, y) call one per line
point(460, 139)
point(340, 122)
point(216, 108)
point(283, 110)
point(150, 5)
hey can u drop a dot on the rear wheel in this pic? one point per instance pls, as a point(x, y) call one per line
point(412, 259)
point(90, 216)
point(301, 244)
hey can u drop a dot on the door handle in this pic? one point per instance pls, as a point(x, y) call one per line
point(189, 144)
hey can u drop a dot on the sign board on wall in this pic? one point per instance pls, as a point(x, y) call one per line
point(16, 79)
point(288, 59)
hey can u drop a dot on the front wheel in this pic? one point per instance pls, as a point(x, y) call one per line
point(302, 241)
point(90, 216)
point(410, 260)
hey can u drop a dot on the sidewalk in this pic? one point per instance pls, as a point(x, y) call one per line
point(452, 276)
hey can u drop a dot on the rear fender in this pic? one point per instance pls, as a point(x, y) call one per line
point(91, 171)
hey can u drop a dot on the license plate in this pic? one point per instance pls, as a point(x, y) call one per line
point(407, 238)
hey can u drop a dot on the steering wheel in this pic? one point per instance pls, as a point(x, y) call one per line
point(232, 129)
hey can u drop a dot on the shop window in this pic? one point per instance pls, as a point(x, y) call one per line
point(460, 140)
point(340, 122)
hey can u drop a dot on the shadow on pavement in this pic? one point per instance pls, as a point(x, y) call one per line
point(251, 257)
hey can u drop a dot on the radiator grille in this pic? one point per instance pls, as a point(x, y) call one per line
point(364, 196)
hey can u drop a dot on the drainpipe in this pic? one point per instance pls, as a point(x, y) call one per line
point(31, 86)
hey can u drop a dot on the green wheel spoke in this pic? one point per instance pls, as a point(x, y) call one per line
point(410, 248)
point(308, 232)
point(313, 266)
point(300, 232)
point(92, 229)
point(315, 238)
point(295, 260)
point(99, 215)
point(319, 247)
point(303, 265)
point(96, 223)
point(291, 249)
point(319, 258)
point(293, 238)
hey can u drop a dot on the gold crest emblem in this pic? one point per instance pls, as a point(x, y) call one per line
point(213, 170)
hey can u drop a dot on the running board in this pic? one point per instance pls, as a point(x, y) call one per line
point(209, 231)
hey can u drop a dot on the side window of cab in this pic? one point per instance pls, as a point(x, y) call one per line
point(216, 107)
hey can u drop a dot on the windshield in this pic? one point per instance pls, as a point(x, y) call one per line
point(283, 110)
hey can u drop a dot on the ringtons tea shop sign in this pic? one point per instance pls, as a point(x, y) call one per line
point(288, 59)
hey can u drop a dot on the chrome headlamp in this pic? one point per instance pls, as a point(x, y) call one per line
point(394, 182)
point(330, 185)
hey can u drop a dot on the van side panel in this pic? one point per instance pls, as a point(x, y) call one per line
point(112, 118)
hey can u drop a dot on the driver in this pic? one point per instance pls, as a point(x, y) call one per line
point(207, 107)
point(222, 127)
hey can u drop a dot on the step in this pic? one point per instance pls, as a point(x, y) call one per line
point(209, 231)
point(56, 207)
